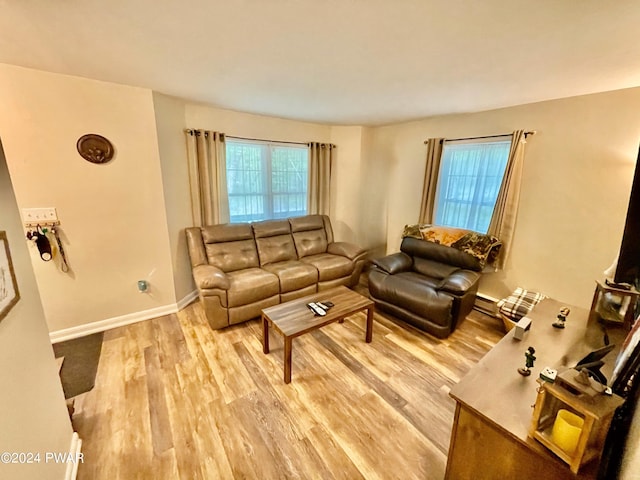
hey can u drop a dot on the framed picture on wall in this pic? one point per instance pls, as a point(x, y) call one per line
point(9, 294)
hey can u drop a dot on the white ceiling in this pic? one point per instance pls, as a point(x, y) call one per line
point(365, 62)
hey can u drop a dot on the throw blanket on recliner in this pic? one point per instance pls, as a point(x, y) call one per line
point(485, 248)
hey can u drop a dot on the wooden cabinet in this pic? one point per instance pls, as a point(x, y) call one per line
point(494, 404)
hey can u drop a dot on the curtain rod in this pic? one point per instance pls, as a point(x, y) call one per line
point(267, 141)
point(530, 132)
point(193, 131)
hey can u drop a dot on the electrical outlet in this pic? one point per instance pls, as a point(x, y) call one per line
point(35, 215)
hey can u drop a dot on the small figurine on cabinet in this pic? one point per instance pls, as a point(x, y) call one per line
point(529, 359)
point(562, 317)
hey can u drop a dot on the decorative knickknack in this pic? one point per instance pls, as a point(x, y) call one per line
point(95, 148)
point(572, 420)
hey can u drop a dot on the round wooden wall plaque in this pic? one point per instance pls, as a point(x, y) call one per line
point(95, 148)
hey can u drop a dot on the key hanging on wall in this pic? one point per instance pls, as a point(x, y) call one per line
point(64, 266)
point(43, 244)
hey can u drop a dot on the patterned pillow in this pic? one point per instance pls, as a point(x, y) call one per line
point(443, 235)
point(483, 247)
point(413, 231)
point(519, 303)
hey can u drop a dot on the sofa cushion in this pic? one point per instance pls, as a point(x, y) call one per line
point(230, 247)
point(276, 249)
point(230, 232)
point(415, 293)
point(439, 253)
point(210, 277)
point(309, 235)
point(306, 223)
point(232, 256)
point(197, 253)
point(394, 263)
point(293, 274)
point(310, 242)
point(271, 228)
point(431, 268)
point(330, 267)
point(251, 285)
point(459, 282)
point(345, 249)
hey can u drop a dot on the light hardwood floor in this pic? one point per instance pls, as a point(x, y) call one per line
point(176, 400)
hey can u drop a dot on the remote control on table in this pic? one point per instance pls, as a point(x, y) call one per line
point(316, 309)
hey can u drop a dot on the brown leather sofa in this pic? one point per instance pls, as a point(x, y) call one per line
point(428, 285)
point(240, 269)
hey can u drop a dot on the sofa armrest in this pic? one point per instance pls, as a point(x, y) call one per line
point(394, 263)
point(345, 249)
point(208, 277)
point(459, 282)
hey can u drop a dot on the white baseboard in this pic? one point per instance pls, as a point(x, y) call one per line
point(486, 304)
point(189, 297)
point(109, 323)
point(74, 453)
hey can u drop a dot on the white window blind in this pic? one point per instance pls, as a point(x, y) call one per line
point(266, 180)
point(469, 180)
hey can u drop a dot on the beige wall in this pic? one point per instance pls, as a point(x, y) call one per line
point(575, 187)
point(346, 176)
point(113, 215)
point(358, 203)
point(33, 414)
point(170, 125)
point(254, 126)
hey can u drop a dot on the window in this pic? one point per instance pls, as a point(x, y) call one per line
point(469, 181)
point(266, 180)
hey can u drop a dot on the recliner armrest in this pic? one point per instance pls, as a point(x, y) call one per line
point(394, 263)
point(346, 249)
point(208, 277)
point(459, 282)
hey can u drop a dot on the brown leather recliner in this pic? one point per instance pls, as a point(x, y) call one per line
point(428, 285)
point(240, 269)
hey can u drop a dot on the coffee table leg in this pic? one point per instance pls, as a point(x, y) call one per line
point(287, 359)
point(369, 334)
point(265, 335)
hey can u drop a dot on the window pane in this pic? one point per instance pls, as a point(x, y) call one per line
point(266, 180)
point(468, 183)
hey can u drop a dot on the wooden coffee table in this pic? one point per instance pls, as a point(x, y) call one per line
point(294, 318)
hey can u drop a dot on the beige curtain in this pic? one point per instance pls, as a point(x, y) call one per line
point(206, 155)
point(503, 221)
point(319, 188)
point(434, 154)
